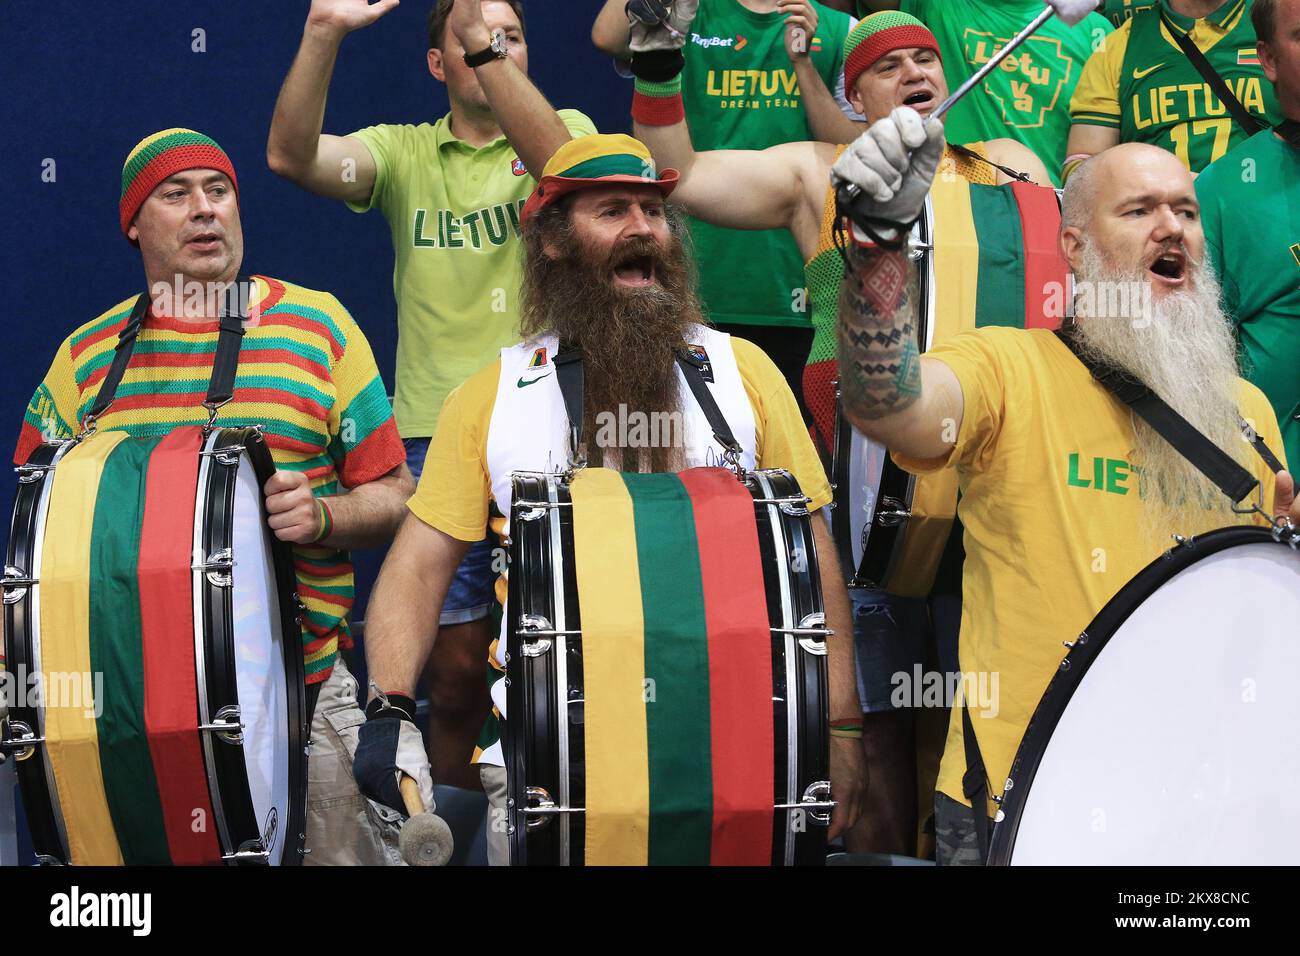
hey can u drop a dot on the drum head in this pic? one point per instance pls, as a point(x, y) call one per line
point(1169, 738)
point(259, 665)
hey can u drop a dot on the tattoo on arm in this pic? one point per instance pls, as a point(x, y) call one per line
point(880, 365)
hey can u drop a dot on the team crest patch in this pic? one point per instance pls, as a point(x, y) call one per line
point(1248, 57)
point(706, 367)
point(539, 358)
point(518, 167)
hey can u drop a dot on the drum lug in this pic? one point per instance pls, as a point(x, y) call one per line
point(543, 808)
point(227, 726)
point(30, 474)
point(22, 743)
point(814, 633)
point(251, 851)
point(16, 582)
point(541, 812)
point(44, 859)
point(892, 512)
point(532, 514)
point(217, 568)
point(816, 802)
point(229, 455)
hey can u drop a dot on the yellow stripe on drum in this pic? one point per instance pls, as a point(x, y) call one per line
point(613, 664)
point(71, 740)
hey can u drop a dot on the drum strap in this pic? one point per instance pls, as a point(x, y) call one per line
point(975, 783)
point(1211, 76)
point(568, 373)
point(1208, 458)
point(221, 386)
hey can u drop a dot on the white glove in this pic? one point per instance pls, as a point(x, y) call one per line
point(668, 35)
point(893, 164)
point(1072, 11)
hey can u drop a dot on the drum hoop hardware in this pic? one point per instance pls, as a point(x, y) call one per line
point(213, 408)
point(22, 743)
point(892, 513)
point(227, 725)
point(218, 568)
point(227, 455)
point(16, 581)
point(44, 859)
point(250, 851)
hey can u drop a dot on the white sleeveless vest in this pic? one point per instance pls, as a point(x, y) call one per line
point(529, 431)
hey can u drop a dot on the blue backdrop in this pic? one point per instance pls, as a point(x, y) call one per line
point(83, 82)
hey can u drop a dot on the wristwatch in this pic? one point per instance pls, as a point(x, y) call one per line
point(496, 50)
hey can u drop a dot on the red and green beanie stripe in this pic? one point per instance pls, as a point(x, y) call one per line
point(882, 33)
point(162, 155)
point(658, 104)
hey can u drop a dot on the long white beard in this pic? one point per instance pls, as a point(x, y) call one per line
point(1182, 346)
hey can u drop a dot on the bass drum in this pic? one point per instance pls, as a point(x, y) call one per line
point(148, 599)
point(1167, 736)
point(551, 728)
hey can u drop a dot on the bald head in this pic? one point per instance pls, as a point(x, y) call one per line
point(1135, 203)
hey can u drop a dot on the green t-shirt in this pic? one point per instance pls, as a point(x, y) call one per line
point(740, 92)
point(1142, 83)
point(1027, 97)
point(454, 215)
point(1250, 209)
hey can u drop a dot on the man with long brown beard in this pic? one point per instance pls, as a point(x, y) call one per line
point(1066, 493)
point(604, 272)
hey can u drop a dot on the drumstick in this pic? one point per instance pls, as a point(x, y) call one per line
point(425, 839)
point(851, 191)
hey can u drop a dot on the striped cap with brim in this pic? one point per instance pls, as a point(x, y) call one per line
point(599, 160)
point(882, 33)
point(165, 154)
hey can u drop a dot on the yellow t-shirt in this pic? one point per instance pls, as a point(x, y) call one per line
point(454, 494)
point(1052, 511)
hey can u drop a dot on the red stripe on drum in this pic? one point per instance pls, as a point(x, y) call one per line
point(740, 667)
point(167, 621)
point(1045, 267)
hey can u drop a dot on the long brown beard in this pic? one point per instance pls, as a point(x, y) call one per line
point(1181, 345)
point(628, 339)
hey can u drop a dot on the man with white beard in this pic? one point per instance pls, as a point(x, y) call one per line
point(1066, 494)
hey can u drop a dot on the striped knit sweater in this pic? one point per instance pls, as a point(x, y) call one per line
point(306, 373)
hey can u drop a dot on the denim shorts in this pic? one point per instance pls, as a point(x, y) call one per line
point(891, 635)
point(472, 591)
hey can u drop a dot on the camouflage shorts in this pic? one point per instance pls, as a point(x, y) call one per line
point(956, 843)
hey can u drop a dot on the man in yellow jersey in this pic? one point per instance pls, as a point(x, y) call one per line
point(306, 374)
point(890, 58)
point(1029, 430)
point(1141, 87)
point(451, 192)
point(605, 270)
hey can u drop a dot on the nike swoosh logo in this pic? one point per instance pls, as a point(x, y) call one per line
point(1138, 74)
point(522, 384)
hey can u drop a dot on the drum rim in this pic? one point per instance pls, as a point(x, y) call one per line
point(29, 541)
point(1081, 656)
point(215, 619)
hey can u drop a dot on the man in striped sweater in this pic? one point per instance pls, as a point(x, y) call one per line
point(307, 375)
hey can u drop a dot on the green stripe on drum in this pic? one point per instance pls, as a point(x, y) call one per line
point(116, 653)
point(678, 729)
point(1002, 258)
